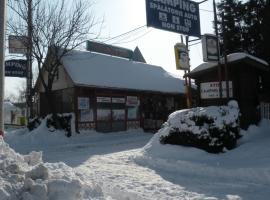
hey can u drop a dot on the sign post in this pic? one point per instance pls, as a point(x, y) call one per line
point(179, 16)
point(2, 58)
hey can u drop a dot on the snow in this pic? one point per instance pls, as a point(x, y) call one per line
point(223, 115)
point(231, 58)
point(99, 70)
point(126, 166)
point(28, 178)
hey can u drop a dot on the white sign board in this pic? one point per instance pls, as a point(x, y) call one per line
point(104, 99)
point(132, 101)
point(210, 90)
point(210, 48)
point(83, 103)
point(118, 100)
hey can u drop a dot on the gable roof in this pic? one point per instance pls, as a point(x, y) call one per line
point(232, 58)
point(99, 70)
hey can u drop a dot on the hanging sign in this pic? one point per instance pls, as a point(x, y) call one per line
point(181, 56)
point(17, 44)
point(210, 48)
point(83, 103)
point(16, 68)
point(210, 90)
point(180, 16)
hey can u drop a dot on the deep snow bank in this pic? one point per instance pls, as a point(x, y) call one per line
point(26, 177)
point(250, 161)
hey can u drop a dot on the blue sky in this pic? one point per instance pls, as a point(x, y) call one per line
point(121, 16)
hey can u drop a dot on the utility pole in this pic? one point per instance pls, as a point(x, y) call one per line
point(225, 59)
point(218, 46)
point(29, 61)
point(2, 62)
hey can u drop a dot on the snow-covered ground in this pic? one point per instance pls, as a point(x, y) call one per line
point(127, 165)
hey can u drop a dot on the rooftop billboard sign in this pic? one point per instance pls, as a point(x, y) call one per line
point(180, 16)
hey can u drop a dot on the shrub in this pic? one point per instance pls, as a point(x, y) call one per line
point(62, 122)
point(211, 129)
point(33, 123)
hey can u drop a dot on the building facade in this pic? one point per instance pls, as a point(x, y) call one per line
point(109, 93)
point(248, 81)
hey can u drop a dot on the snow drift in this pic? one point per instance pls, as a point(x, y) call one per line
point(26, 177)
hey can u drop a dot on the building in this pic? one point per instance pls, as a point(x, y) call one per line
point(249, 84)
point(110, 93)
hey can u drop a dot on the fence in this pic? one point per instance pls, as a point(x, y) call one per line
point(265, 110)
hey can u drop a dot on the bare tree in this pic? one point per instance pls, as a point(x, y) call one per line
point(57, 28)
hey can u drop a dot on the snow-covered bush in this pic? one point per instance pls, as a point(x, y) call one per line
point(28, 178)
point(211, 128)
point(59, 121)
point(33, 123)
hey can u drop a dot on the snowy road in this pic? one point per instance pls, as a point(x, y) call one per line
point(109, 160)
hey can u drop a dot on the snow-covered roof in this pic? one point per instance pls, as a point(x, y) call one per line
point(234, 57)
point(8, 107)
point(99, 70)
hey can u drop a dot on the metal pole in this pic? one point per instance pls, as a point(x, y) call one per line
point(218, 46)
point(2, 62)
point(189, 80)
point(186, 81)
point(225, 59)
point(29, 61)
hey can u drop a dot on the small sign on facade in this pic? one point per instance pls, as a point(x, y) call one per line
point(132, 101)
point(181, 56)
point(210, 90)
point(210, 48)
point(118, 100)
point(17, 44)
point(180, 16)
point(16, 68)
point(104, 99)
point(83, 103)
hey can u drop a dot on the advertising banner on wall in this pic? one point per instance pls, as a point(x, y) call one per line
point(210, 48)
point(181, 56)
point(210, 90)
point(83, 103)
point(180, 16)
point(16, 68)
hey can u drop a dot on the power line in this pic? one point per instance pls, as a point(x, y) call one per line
point(134, 38)
point(124, 33)
point(205, 10)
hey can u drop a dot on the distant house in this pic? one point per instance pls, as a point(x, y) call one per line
point(249, 83)
point(12, 113)
point(110, 93)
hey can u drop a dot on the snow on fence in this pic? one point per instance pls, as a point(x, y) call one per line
point(265, 110)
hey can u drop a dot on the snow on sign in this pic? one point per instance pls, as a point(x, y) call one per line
point(210, 90)
point(180, 16)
